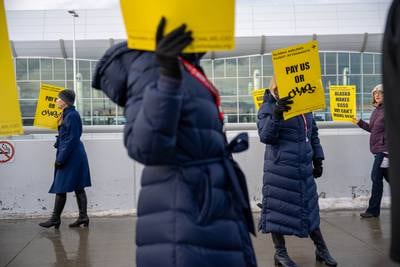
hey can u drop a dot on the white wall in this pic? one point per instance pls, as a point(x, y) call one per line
point(24, 183)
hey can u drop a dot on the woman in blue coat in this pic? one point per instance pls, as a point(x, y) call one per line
point(193, 207)
point(293, 158)
point(71, 166)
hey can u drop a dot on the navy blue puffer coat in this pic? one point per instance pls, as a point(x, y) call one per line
point(290, 200)
point(193, 208)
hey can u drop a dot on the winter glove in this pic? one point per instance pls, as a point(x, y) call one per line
point(58, 165)
point(317, 171)
point(282, 105)
point(169, 47)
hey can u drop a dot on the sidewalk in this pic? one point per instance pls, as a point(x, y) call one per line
point(110, 242)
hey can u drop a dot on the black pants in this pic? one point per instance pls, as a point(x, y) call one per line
point(377, 175)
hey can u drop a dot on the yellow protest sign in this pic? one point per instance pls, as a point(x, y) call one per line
point(343, 102)
point(258, 97)
point(298, 75)
point(47, 112)
point(212, 22)
point(10, 114)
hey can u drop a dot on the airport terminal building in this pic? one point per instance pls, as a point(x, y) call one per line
point(349, 35)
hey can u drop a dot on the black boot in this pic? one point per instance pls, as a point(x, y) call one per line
point(321, 252)
point(82, 205)
point(55, 220)
point(281, 257)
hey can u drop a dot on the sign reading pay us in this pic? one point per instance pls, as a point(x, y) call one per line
point(298, 75)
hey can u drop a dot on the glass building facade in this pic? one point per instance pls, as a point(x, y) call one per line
point(235, 77)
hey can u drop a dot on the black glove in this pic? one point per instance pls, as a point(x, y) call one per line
point(317, 171)
point(169, 47)
point(282, 105)
point(58, 165)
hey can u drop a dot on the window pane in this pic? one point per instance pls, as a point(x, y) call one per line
point(243, 66)
point(207, 67)
point(331, 63)
point(255, 64)
point(46, 66)
point(370, 81)
point(378, 64)
point(70, 70)
point(327, 81)
point(344, 63)
point(355, 80)
point(84, 69)
point(22, 69)
point(248, 118)
point(267, 66)
point(322, 62)
point(28, 108)
point(56, 83)
point(355, 63)
point(84, 89)
point(368, 63)
point(28, 90)
point(228, 105)
point(219, 68)
point(245, 86)
point(85, 110)
point(103, 112)
point(246, 105)
point(231, 68)
point(34, 69)
point(59, 69)
point(226, 87)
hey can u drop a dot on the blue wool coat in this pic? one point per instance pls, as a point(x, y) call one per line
point(290, 200)
point(193, 207)
point(74, 174)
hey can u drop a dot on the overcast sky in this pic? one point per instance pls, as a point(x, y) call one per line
point(59, 4)
point(99, 4)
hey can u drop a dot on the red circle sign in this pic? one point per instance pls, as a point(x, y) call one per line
point(7, 151)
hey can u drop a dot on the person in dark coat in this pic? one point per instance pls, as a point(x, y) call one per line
point(391, 82)
point(71, 171)
point(378, 147)
point(293, 158)
point(193, 207)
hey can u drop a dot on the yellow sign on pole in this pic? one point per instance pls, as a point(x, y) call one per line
point(10, 114)
point(47, 112)
point(343, 102)
point(212, 22)
point(298, 75)
point(258, 97)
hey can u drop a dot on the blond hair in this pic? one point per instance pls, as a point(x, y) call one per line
point(273, 87)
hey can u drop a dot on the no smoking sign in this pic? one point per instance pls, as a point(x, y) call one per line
point(7, 152)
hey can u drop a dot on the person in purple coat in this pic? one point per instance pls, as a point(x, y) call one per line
point(378, 147)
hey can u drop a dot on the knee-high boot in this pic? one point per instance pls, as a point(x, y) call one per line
point(82, 205)
point(321, 252)
point(281, 256)
point(55, 219)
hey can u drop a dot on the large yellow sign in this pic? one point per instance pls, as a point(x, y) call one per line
point(10, 114)
point(212, 22)
point(298, 75)
point(47, 112)
point(343, 102)
point(258, 97)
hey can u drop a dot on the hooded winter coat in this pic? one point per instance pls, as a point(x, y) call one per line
point(290, 200)
point(193, 207)
point(391, 83)
point(74, 173)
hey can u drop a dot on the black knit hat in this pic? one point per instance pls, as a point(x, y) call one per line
point(68, 96)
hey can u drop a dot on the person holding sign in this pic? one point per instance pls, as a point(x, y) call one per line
point(293, 158)
point(193, 207)
point(71, 166)
point(378, 147)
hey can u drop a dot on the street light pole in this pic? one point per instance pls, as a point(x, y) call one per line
point(74, 15)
